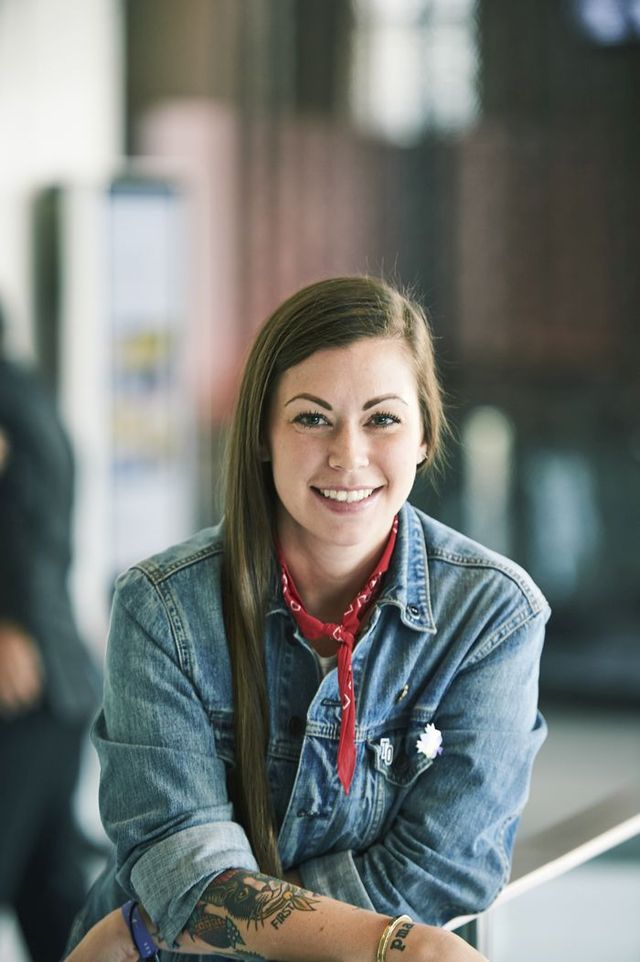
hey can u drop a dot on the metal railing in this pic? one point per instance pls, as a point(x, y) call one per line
point(546, 855)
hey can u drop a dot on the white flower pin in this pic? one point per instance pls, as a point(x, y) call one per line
point(430, 742)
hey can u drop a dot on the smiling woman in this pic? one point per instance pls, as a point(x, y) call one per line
point(345, 436)
point(320, 717)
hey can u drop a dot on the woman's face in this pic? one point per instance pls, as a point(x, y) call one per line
point(345, 436)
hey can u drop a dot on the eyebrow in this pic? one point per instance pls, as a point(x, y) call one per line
point(325, 404)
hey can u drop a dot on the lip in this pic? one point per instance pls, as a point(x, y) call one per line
point(346, 507)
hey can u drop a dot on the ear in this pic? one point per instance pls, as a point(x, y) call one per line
point(422, 454)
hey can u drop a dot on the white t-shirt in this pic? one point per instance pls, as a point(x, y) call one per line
point(326, 664)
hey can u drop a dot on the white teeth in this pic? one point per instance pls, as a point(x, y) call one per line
point(348, 496)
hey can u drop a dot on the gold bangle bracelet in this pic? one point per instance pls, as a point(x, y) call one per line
point(387, 935)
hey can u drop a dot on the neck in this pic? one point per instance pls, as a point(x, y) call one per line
point(328, 577)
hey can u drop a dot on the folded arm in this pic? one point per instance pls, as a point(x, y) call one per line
point(448, 850)
point(247, 915)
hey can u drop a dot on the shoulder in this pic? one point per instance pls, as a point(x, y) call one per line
point(197, 554)
point(175, 598)
point(465, 570)
point(187, 566)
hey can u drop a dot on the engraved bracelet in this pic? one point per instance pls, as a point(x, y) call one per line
point(388, 933)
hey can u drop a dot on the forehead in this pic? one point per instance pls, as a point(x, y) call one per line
point(369, 366)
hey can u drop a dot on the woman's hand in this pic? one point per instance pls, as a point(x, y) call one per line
point(21, 671)
point(108, 941)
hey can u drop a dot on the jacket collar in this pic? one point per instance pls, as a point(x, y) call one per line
point(406, 583)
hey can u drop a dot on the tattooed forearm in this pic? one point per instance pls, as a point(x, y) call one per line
point(248, 897)
point(398, 940)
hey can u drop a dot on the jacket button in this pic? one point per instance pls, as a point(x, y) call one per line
point(296, 726)
point(415, 611)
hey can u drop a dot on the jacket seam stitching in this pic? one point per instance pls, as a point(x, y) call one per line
point(181, 651)
point(156, 574)
point(500, 635)
point(535, 601)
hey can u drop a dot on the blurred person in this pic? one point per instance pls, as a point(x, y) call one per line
point(48, 682)
point(319, 717)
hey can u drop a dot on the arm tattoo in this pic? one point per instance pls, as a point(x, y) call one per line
point(220, 932)
point(216, 930)
point(271, 899)
point(400, 936)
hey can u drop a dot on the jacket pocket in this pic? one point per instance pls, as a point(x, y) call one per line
point(396, 756)
point(395, 766)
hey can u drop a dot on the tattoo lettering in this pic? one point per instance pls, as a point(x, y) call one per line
point(400, 936)
point(282, 916)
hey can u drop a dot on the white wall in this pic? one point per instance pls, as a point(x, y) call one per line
point(61, 119)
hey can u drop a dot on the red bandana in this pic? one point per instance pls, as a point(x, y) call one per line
point(344, 633)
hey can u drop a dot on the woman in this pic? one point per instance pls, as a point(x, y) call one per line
point(261, 803)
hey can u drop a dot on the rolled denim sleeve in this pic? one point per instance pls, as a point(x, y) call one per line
point(163, 795)
point(448, 850)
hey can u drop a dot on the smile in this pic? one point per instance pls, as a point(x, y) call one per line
point(348, 496)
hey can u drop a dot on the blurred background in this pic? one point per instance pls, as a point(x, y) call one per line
point(170, 171)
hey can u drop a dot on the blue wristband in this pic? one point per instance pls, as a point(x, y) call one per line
point(140, 935)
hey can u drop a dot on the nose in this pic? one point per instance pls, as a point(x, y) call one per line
point(348, 450)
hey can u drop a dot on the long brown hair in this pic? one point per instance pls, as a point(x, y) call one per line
point(330, 313)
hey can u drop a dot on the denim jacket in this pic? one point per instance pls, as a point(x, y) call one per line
point(454, 640)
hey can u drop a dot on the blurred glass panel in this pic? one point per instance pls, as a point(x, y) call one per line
point(565, 524)
point(414, 67)
point(488, 438)
point(152, 433)
point(590, 914)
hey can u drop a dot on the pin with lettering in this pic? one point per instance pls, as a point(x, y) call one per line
point(385, 751)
